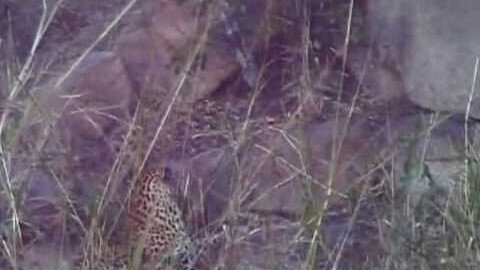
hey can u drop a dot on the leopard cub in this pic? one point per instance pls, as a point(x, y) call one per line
point(155, 224)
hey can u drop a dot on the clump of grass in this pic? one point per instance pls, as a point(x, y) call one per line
point(463, 220)
point(430, 224)
point(21, 114)
point(17, 77)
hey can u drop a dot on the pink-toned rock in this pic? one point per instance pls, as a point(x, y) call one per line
point(146, 64)
point(218, 68)
point(356, 150)
point(382, 84)
point(105, 90)
point(173, 25)
point(100, 97)
point(281, 171)
point(154, 55)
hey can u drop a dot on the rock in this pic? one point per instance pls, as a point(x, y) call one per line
point(94, 114)
point(147, 66)
point(97, 100)
point(212, 185)
point(159, 53)
point(379, 83)
point(432, 45)
point(43, 256)
point(274, 245)
point(272, 172)
point(218, 68)
point(101, 93)
point(173, 26)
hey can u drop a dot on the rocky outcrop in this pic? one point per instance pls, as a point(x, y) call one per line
point(432, 45)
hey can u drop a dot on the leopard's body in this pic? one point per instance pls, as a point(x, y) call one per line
point(157, 235)
point(155, 223)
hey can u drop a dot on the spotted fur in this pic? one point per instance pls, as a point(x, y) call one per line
point(155, 223)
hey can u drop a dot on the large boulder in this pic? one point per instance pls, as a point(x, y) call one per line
point(432, 44)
